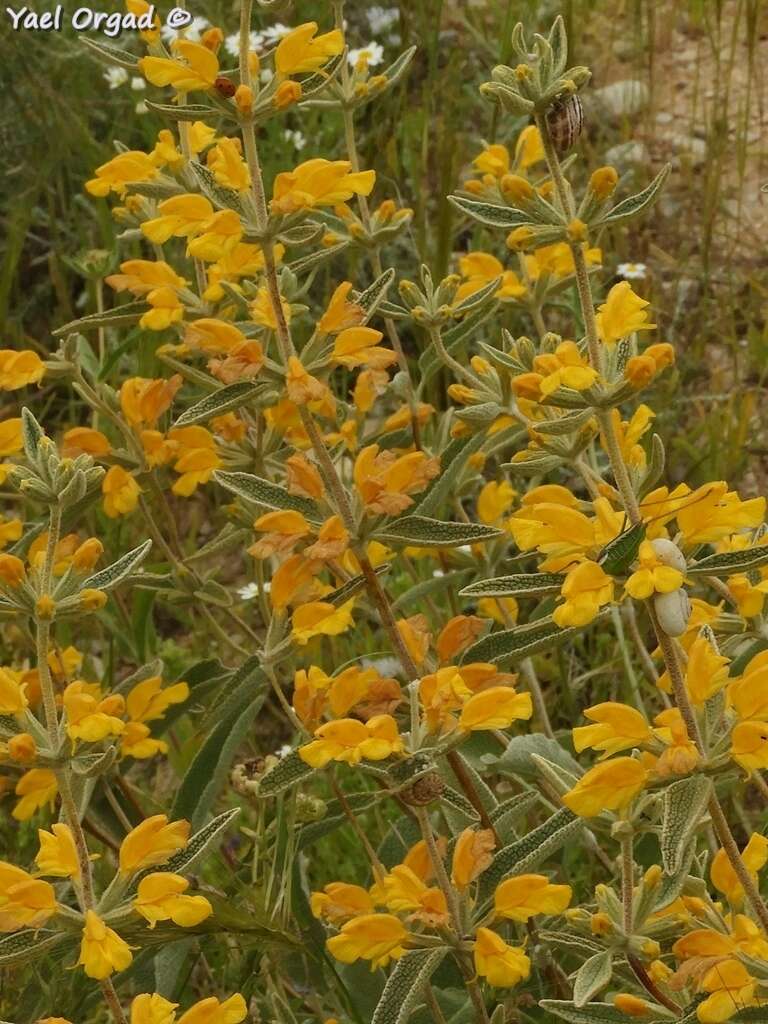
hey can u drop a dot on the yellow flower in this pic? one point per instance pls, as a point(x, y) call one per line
point(586, 589)
point(229, 169)
point(341, 313)
point(102, 951)
point(57, 855)
point(610, 786)
point(152, 1009)
point(166, 309)
point(319, 182)
point(25, 902)
point(495, 708)
point(749, 745)
point(712, 512)
point(302, 50)
point(136, 741)
point(197, 69)
point(557, 260)
point(731, 987)
point(632, 1006)
point(10, 436)
point(622, 313)
point(653, 577)
point(152, 842)
point(143, 400)
point(148, 701)
point(748, 693)
point(17, 369)
point(350, 740)
point(724, 878)
point(318, 618)
point(618, 727)
point(37, 787)
point(117, 173)
point(22, 747)
point(196, 458)
point(706, 672)
point(13, 699)
point(472, 854)
point(375, 937)
point(211, 1011)
point(88, 718)
point(402, 891)
point(565, 367)
point(681, 755)
point(161, 896)
point(495, 500)
point(628, 434)
point(121, 492)
point(501, 965)
point(358, 346)
point(493, 160)
point(386, 481)
point(523, 896)
point(478, 270)
point(339, 901)
point(213, 239)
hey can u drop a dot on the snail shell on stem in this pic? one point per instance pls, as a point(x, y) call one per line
point(565, 120)
point(669, 553)
point(673, 611)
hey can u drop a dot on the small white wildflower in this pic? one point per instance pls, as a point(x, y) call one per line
point(192, 32)
point(116, 77)
point(387, 666)
point(138, 84)
point(284, 751)
point(382, 18)
point(232, 43)
point(274, 34)
point(141, 107)
point(372, 54)
point(437, 573)
point(265, 76)
point(631, 271)
point(297, 138)
point(248, 592)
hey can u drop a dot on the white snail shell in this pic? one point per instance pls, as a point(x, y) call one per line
point(673, 611)
point(669, 554)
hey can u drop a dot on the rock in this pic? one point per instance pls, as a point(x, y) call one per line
point(622, 99)
point(627, 155)
point(664, 117)
point(686, 149)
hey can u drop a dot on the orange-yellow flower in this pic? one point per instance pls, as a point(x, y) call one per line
point(17, 369)
point(471, 856)
point(152, 842)
point(501, 965)
point(319, 618)
point(495, 708)
point(350, 740)
point(523, 896)
point(102, 951)
point(116, 174)
point(161, 896)
point(37, 788)
point(339, 901)
point(57, 855)
point(302, 50)
point(375, 937)
point(121, 492)
point(610, 786)
point(211, 1011)
point(586, 589)
point(25, 902)
point(622, 313)
point(617, 727)
point(196, 69)
point(319, 182)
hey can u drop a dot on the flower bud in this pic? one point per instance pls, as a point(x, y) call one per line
point(92, 600)
point(577, 230)
point(604, 181)
point(212, 39)
point(287, 94)
point(516, 188)
point(22, 748)
point(88, 554)
point(45, 606)
point(244, 99)
point(520, 239)
point(12, 570)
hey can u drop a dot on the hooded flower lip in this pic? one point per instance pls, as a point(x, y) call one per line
point(609, 786)
point(25, 902)
point(501, 965)
point(375, 937)
point(152, 842)
point(102, 951)
point(617, 727)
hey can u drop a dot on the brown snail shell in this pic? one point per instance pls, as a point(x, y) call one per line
point(565, 120)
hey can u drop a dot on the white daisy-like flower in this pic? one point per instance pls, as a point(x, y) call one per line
point(116, 77)
point(297, 138)
point(631, 271)
point(387, 666)
point(192, 31)
point(284, 751)
point(373, 54)
point(232, 43)
point(249, 591)
point(141, 107)
point(382, 18)
point(274, 34)
point(138, 84)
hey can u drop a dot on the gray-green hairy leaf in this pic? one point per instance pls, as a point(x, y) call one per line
point(404, 988)
point(224, 400)
point(262, 492)
point(521, 585)
point(685, 803)
point(108, 578)
point(432, 533)
point(592, 977)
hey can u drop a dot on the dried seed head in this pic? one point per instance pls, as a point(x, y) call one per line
point(424, 790)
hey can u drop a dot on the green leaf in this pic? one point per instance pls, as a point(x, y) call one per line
point(370, 299)
point(128, 313)
point(404, 989)
point(111, 54)
point(206, 775)
point(522, 585)
point(452, 461)
point(230, 397)
point(421, 590)
point(633, 206)
point(685, 803)
point(397, 68)
point(185, 112)
point(593, 975)
point(199, 843)
point(476, 299)
point(595, 1013)
point(432, 533)
point(27, 945)
point(516, 761)
point(262, 492)
point(31, 432)
point(489, 213)
point(288, 771)
point(353, 586)
point(108, 578)
point(314, 258)
point(520, 642)
point(730, 562)
point(220, 195)
point(526, 853)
